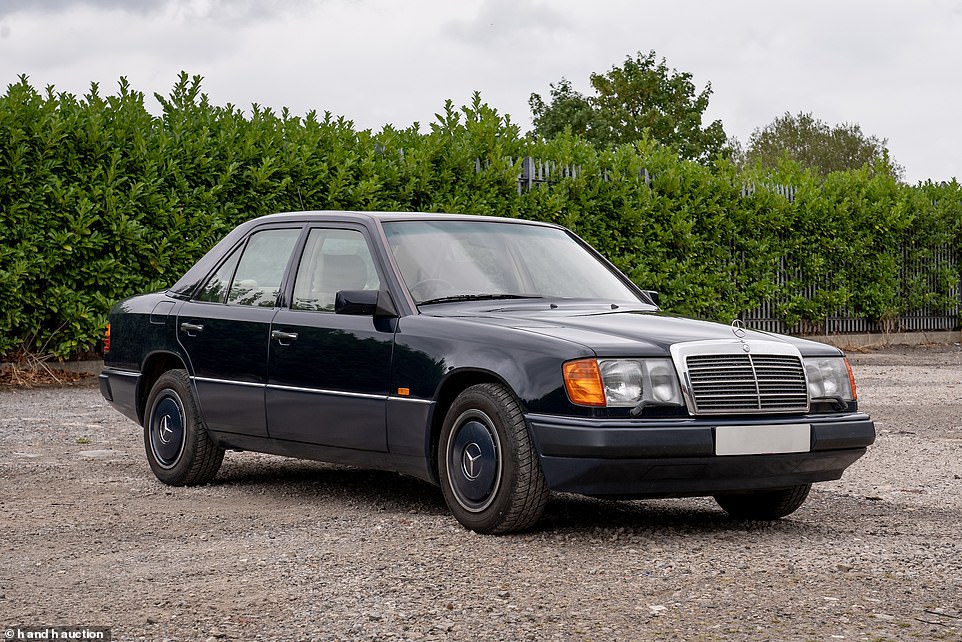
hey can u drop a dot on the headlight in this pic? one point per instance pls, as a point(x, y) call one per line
point(622, 383)
point(830, 378)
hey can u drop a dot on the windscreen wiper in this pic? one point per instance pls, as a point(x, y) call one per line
point(478, 297)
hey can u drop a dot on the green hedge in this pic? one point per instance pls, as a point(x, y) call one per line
point(99, 199)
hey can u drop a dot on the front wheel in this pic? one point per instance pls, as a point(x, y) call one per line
point(767, 504)
point(490, 474)
point(179, 450)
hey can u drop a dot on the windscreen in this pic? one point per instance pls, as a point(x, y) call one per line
point(449, 260)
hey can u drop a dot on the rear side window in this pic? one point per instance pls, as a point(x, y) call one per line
point(215, 290)
point(253, 277)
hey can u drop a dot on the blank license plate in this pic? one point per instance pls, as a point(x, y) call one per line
point(763, 440)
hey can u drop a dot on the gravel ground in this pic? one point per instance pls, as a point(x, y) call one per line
point(280, 549)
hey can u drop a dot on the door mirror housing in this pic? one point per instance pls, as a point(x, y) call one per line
point(377, 303)
point(652, 296)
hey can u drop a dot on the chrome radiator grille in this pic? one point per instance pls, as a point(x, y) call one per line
point(747, 383)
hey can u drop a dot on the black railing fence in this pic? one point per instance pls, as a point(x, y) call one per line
point(922, 272)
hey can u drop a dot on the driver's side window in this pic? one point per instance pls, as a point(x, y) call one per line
point(333, 260)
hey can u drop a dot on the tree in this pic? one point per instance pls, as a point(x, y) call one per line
point(816, 145)
point(641, 98)
point(567, 109)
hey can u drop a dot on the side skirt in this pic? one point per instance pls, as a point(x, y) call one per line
point(405, 464)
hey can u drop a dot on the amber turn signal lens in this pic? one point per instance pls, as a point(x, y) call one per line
point(107, 339)
point(851, 379)
point(583, 382)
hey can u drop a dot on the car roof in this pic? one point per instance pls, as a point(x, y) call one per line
point(382, 217)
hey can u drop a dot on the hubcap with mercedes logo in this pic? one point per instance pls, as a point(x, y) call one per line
point(167, 430)
point(471, 463)
point(474, 460)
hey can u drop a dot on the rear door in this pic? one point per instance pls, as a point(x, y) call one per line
point(225, 331)
point(329, 373)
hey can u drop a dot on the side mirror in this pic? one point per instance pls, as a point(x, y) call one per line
point(653, 297)
point(376, 303)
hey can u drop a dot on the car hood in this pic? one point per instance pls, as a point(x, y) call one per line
point(609, 329)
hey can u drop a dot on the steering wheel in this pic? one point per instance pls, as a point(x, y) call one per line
point(422, 290)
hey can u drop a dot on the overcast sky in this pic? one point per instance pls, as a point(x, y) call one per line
point(895, 68)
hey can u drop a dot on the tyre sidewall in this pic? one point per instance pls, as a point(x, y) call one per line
point(172, 429)
point(478, 406)
point(765, 505)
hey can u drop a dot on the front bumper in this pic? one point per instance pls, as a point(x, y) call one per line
point(676, 457)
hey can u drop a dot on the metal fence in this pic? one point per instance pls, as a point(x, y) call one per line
point(536, 172)
point(788, 191)
point(937, 272)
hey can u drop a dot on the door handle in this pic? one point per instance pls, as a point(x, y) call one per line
point(191, 328)
point(282, 337)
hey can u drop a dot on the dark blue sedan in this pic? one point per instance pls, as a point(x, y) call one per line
point(498, 358)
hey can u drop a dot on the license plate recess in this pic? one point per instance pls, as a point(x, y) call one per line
point(772, 439)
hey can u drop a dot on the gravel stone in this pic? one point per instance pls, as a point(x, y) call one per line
point(281, 549)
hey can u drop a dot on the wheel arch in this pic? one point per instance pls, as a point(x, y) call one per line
point(155, 365)
point(452, 386)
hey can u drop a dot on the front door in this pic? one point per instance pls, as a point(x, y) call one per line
point(329, 373)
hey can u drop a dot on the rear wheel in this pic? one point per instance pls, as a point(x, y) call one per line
point(179, 450)
point(767, 504)
point(490, 474)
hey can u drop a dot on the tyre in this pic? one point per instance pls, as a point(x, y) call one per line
point(767, 504)
point(179, 450)
point(490, 474)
